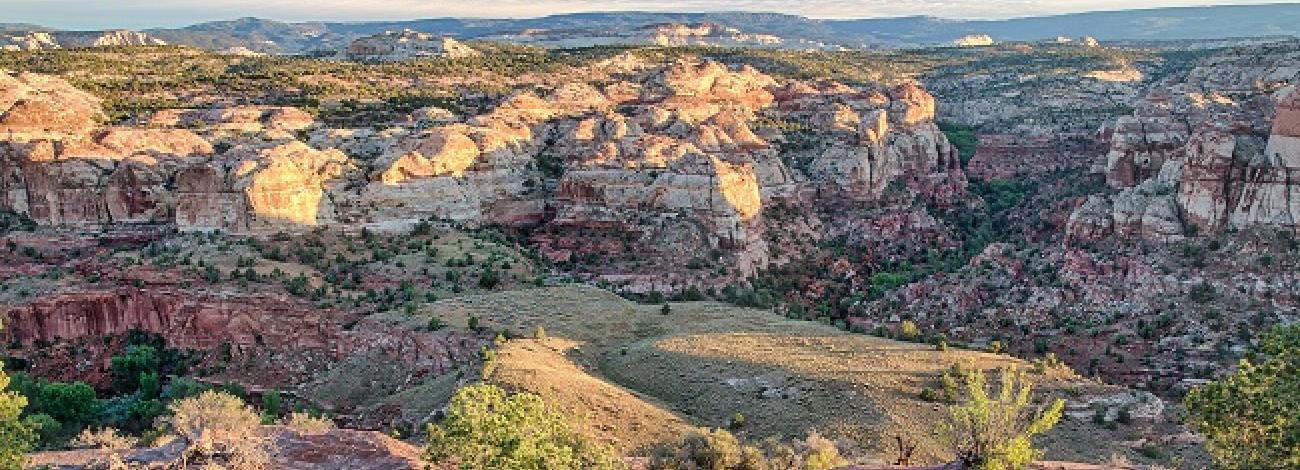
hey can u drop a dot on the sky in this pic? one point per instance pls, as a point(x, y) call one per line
point(139, 14)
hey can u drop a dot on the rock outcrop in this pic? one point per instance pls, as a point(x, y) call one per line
point(258, 188)
point(30, 41)
point(974, 40)
point(236, 118)
point(289, 449)
point(34, 106)
point(45, 40)
point(1271, 189)
point(1141, 144)
point(705, 34)
point(115, 175)
point(112, 37)
point(407, 44)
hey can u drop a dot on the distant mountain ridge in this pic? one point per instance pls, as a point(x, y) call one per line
point(1175, 23)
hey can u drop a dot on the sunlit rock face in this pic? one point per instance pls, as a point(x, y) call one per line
point(1222, 173)
point(1271, 195)
point(59, 168)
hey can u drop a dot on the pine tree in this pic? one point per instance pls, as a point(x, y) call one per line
point(1249, 418)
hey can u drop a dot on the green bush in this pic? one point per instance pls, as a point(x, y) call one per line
point(961, 137)
point(737, 421)
point(68, 403)
point(128, 367)
point(47, 429)
point(435, 324)
point(489, 430)
point(1202, 293)
point(994, 431)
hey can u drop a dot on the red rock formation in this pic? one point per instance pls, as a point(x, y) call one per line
point(247, 325)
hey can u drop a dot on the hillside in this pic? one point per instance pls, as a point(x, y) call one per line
point(633, 375)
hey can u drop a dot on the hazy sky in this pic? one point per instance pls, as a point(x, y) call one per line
point(97, 14)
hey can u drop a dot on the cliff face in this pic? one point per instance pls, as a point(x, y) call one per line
point(1215, 152)
point(1244, 180)
point(305, 340)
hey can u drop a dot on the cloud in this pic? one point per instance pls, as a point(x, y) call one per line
point(95, 14)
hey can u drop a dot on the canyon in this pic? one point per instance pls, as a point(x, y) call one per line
point(703, 231)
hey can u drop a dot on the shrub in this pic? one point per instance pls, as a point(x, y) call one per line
point(103, 438)
point(45, 426)
point(908, 331)
point(821, 453)
point(994, 432)
point(487, 429)
point(489, 279)
point(951, 393)
point(435, 324)
point(1124, 416)
point(1049, 363)
point(305, 423)
point(930, 395)
point(219, 427)
point(68, 403)
point(1249, 417)
point(717, 449)
point(737, 421)
point(271, 403)
point(1202, 293)
point(703, 449)
point(150, 384)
